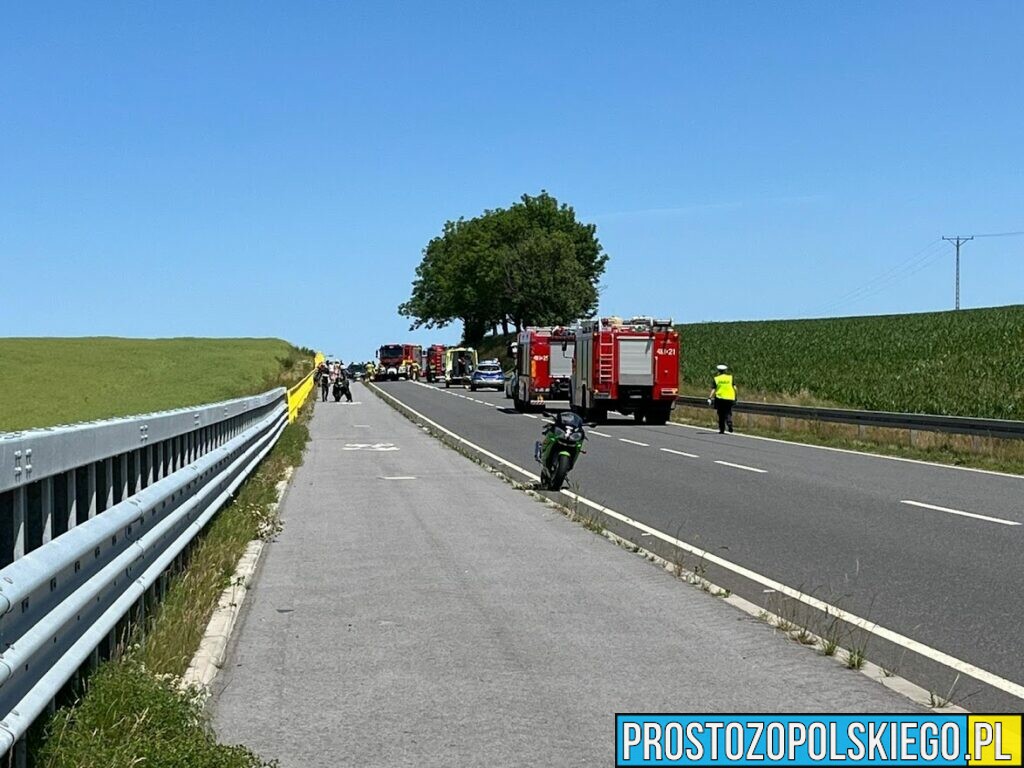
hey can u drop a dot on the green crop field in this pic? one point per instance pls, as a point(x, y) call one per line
point(59, 381)
point(967, 363)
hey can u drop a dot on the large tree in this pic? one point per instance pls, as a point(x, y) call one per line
point(530, 264)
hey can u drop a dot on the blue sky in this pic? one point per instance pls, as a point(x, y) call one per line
point(274, 169)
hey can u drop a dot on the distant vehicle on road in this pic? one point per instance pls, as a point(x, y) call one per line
point(487, 375)
point(459, 364)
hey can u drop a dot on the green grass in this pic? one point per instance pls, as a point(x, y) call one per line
point(967, 363)
point(131, 718)
point(60, 381)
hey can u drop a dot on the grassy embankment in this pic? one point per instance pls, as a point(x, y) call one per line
point(59, 381)
point(133, 711)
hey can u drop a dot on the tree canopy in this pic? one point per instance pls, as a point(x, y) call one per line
point(532, 263)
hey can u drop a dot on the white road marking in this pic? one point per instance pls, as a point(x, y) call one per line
point(370, 447)
point(599, 434)
point(399, 477)
point(680, 453)
point(999, 520)
point(634, 442)
point(491, 405)
point(742, 466)
point(855, 453)
point(530, 416)
point(964, 667)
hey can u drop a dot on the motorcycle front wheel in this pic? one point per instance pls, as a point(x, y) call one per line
point(559, 472)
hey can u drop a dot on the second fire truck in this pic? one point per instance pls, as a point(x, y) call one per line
point(629, 366)
point(398, 361)
point(544, 359)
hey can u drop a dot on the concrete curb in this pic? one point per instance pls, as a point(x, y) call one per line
point(213, 648)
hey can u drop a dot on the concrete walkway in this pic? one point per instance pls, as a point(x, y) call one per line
point(418, 611)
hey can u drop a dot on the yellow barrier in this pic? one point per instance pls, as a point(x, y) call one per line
point(297, 395)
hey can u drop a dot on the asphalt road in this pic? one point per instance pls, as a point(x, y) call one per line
point(418, 611)
point(834, 524)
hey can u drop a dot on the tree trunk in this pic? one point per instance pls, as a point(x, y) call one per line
point(473, 331)
point(504, 326)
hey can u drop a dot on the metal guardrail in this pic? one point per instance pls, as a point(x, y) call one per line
point(91, 516)
point(957, 425)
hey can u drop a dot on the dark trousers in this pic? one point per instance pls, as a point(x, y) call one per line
point(724, 408)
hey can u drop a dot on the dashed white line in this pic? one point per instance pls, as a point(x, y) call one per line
point(742, 466)
point(978, 673)
point(999, 520)
point(680, 453)
point(599, 434)
point(853, 452)
point(634, 442)
point(399, 477)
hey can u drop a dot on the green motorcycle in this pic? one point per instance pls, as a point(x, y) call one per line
point(560, 448)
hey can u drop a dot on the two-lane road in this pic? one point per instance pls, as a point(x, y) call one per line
point(931, 552)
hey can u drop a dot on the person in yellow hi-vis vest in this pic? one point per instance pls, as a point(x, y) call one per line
point(724, 397)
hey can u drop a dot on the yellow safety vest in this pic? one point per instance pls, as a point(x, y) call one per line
point(724, 389)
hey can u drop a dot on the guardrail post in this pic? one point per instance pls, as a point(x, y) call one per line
point(18, 521)
point(108, 479)
point(46, 502)
point(125, 485)
point(71, 509)
point(90, 489)
point(19, 755)
point(147, 479)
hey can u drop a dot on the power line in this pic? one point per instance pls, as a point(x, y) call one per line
point(917, 260)
point(999, 234)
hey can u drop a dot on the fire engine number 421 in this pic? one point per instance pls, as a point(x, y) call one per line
point(669, 351)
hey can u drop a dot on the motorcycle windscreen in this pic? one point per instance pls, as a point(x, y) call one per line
point(636, 361)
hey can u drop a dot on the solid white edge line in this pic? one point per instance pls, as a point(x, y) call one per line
point(680, 453)
point(634, 442)
point(966, 668)
point(742, 466)
point(999, 520)
point(856, 453)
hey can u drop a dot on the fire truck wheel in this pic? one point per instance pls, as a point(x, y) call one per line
point(657, 419)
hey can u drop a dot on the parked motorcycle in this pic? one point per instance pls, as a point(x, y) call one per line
point(560, 448)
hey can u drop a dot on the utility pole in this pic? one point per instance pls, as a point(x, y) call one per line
point(958, 241)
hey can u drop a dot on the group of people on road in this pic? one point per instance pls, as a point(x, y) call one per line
point(332, 375)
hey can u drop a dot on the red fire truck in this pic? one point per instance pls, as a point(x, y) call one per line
point(543, 366)
point(629, 366)
point(434, 362)
point(398, 361)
